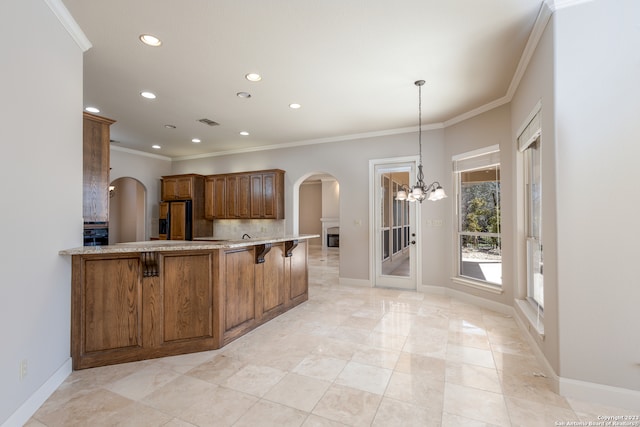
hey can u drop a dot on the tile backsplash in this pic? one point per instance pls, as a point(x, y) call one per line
point(233, 229)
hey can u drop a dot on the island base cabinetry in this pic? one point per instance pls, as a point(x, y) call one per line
point(141, 305)
point(258, 284)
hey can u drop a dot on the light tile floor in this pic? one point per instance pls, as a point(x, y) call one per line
point(347, 357)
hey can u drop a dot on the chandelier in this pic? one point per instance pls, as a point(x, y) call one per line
point(420, 190)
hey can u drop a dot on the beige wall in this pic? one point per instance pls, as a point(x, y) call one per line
point(537, 85)
point(597, 94)
point(41, 172)
point(311, 210)
point(348, 162)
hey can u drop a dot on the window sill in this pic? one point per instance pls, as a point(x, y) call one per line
point(536, 322)
point(478, 285)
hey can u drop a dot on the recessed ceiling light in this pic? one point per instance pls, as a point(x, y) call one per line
point(92, 110)
point(243, 95)
point(148, 95)
point(150, 40)
point(196, 141)
point(170, 126)
point(157, 147)
point(294, 106)
point(244, 133)
point(253, 77)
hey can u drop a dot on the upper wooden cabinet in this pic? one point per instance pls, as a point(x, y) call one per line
point(267, 199)
point(179, 187)
point(248, 195)
point(215, 189)
point(95, 162)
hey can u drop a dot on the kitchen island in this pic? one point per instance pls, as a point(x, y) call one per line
point(142, 300)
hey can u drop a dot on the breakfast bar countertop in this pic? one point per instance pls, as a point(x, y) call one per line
point(199, 243)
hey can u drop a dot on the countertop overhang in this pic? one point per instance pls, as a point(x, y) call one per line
point(200, 243)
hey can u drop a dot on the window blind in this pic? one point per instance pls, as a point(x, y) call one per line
point(489, 156)
point(530, 133)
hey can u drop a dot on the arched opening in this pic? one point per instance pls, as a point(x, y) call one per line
point(316, 198)
point(127, 211)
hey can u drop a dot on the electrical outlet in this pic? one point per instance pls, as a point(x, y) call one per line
point(23, 369)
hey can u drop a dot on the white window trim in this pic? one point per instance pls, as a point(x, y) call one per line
point(491, 161)
point(526, 135)
point(533, 316)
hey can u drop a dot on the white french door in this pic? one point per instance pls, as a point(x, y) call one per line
point(394, 234)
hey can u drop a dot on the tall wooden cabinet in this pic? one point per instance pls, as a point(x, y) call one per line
point(95, 168)
point(183, 207)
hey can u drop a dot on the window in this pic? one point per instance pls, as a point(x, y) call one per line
point(533, 221)
point(395, 221)
point(479, 243)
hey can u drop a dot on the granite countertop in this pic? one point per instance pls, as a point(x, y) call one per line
point(199, 243)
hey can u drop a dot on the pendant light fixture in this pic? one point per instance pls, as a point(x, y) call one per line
point(420, 190)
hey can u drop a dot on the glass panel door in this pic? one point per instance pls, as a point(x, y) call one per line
point(395, 251)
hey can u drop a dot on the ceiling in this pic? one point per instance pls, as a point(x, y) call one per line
point(351, 64)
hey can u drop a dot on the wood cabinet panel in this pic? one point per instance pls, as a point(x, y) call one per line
point(112, 317)
point(272, 280)
point(169, 188)
point(95, 167)
point(239, 287)
point(299, 275)
point(215, 197)
point(237, 196)
point(178, 187)
point(184, 188)
point(243, 197)
point(188, 296)
point(177, 222)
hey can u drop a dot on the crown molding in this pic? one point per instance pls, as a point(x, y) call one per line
point(547, 9)
point(140, 153)
point(70, 24)
point(561, 4)
point(314, 141)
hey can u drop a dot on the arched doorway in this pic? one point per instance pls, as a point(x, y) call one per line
point(317, 208)
point(127, 211)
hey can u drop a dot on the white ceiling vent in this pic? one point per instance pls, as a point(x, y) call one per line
point(209, 122)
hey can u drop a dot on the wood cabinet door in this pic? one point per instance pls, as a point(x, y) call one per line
point(231, 196)
point(299, 278)
point(187, 295)
point(272, 280)
point(269, 209)
point(169, 189)
point(106, 310)
point(239, 291)
point(257, 202)
point(95, 161)
point(184, 188)
point(215, 197)
point(243, 197)
point(177, 221)
point(267, 195)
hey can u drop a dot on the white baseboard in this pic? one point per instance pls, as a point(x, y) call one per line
point(28, 408)
point(601, 394)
